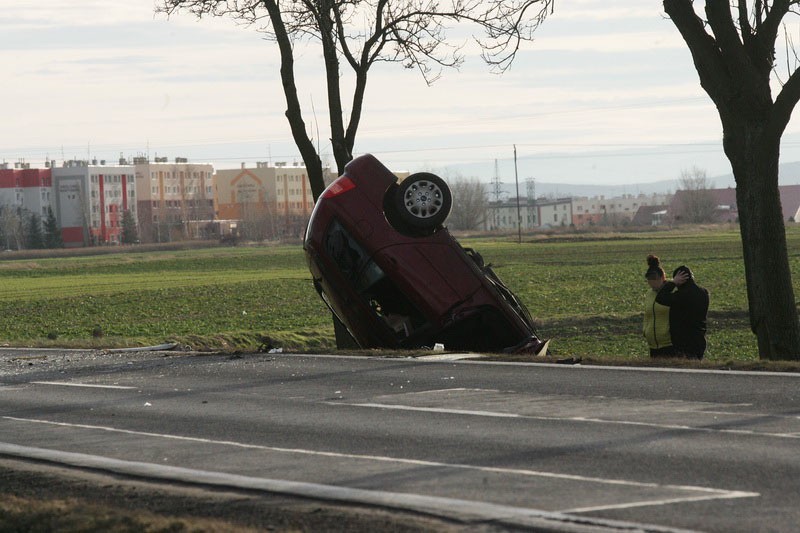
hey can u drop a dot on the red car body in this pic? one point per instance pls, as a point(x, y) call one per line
point(396, 284)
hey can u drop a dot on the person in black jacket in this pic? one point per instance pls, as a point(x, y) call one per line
point(688, 310)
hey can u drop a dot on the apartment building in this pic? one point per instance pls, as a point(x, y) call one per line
point(599, 210)
point(175, 199)
point(531, 214)
point(91, 198)
point(283, 187)
point(555, 212)
point(267, 200)
point(24, 187)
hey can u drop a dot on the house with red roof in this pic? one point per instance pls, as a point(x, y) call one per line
point(725, 208)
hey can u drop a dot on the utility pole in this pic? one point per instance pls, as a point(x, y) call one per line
point(531, 183)
point(496, 190)
point(519, 212)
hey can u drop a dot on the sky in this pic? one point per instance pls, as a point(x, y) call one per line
point(603, 95)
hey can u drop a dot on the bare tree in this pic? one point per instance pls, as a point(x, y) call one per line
point(256, 222)
point(469, 203)
point(364, 32)
point(194, 207)
point(733, 49)
point(11, 224)
point(696, 201)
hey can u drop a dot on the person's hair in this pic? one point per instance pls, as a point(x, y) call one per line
point(654, 270)
point(683, 268)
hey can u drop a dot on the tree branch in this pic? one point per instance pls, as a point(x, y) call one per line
point(733, 51)
point(768, 29)
point(714, 75)
point(785, 103)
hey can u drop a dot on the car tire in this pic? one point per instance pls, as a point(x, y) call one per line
point(422, 201)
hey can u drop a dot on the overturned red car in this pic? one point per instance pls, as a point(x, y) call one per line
point(386, 266)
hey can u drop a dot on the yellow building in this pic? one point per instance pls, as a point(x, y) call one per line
point(267, 201)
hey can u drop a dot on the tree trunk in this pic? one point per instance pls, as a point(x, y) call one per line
point(773, 312)
point(293, 110)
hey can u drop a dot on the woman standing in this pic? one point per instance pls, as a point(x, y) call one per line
point(656, 316)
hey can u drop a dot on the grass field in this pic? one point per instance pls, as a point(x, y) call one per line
point(586, 291)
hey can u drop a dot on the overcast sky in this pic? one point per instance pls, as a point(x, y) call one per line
point(603, 95)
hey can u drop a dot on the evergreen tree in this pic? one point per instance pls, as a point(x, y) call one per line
point(34, 236)
point(52, 233)
point(129, 233)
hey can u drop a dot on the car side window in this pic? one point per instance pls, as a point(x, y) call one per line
point(385, 299)
point(349, 256)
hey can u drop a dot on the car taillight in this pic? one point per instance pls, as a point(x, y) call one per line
point(341, 185)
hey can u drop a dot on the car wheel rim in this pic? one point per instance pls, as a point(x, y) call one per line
point(423, 199)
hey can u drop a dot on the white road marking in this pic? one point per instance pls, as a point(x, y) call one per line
point(455, 389)
point(87, 385)
point(707, 493)
point(733, 413)
point(496, 414)
point(448, 357)
point(650, 503)
point(467, 512)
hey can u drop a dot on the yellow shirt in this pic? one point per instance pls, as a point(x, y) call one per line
point(656, 322)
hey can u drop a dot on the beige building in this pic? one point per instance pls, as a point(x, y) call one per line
point(175, 199)
point(599, 210)
point(267, 201)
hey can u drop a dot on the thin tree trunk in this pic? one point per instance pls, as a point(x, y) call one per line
point(294, 112)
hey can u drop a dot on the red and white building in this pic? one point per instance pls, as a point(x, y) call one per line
point(26, 188)
point(91, 199)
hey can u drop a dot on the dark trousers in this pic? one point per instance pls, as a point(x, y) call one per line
point(694, 351)
point(666, 351)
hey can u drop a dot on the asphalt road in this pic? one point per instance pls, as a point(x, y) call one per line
point(565, 448)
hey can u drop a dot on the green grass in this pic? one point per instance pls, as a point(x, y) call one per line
point(588, 292)
point(585, 291)
point(211, 298)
